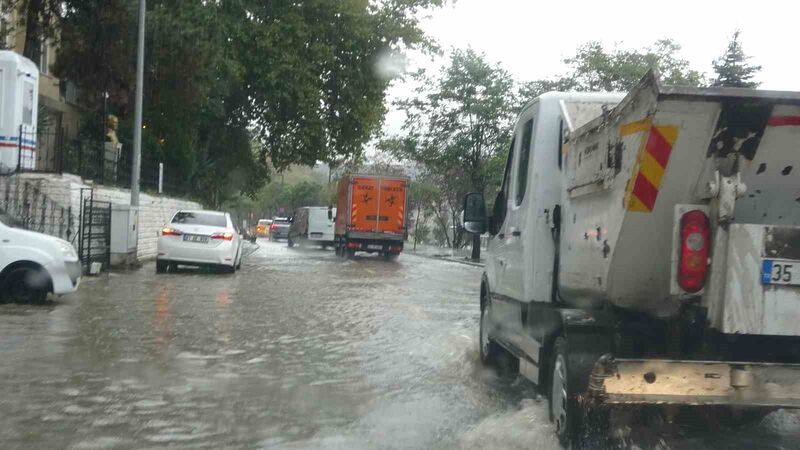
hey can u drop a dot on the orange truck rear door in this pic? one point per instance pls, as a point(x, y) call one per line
point(392, 206)
point(364, 209)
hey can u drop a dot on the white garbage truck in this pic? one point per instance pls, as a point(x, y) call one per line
point(645, 250)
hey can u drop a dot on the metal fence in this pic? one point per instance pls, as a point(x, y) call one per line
point(101, 162)
point(24, 203)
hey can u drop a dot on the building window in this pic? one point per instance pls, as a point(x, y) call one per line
point(44, 62)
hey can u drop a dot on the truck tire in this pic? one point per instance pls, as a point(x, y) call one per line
point(581, 426)
point(349, 253)
point(488, 349)
point(25, 285)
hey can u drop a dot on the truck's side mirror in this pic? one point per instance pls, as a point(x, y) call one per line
point(330, 214)
point(475, 213)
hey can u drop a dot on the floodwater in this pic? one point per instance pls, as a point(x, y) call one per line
point(300, 349)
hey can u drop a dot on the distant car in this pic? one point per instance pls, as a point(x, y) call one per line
point(262, 228)
point(33, 265)
point(199, 238)
point(312, 224)
point(279, 229)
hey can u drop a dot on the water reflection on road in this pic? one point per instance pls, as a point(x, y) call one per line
point(300, 349)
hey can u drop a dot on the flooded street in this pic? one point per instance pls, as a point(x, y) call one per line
point(299, 349)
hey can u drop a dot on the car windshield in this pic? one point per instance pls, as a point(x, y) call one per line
point(200, 218)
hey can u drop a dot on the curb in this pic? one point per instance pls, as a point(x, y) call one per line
point(449, 259)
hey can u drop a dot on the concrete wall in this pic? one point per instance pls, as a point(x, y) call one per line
point(154, 210)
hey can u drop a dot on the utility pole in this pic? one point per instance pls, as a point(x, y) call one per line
point(137, 119)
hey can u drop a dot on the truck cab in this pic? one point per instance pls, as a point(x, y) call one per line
point(639, 249)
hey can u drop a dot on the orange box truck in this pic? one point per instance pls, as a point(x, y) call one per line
point(371, 215)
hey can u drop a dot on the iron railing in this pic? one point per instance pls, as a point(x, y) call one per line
point(29, 207)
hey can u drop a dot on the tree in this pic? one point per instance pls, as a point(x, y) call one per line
point(732, 68)
point(456, 125)
point(300, 79)
point(593, 68)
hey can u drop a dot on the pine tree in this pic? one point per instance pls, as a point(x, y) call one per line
point(732, 68)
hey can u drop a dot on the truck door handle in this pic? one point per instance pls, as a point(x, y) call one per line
point(516, 233)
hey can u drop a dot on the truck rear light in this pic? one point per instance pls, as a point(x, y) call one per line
point(693, 264)
point(353, 245)
point(395, 248)
point(169, 231)
point(227, 236)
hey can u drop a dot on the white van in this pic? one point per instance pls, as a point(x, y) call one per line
point(312, 223)
point(33, 265)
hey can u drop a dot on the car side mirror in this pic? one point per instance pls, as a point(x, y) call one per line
point(330, 214)
point(475, 213)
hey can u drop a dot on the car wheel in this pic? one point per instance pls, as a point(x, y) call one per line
point(161, 266)
point(289, 242)
point(226, 269)
point(26, 285)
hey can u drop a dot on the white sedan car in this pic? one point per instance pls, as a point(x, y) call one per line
point(199, 238)
point(33, 265)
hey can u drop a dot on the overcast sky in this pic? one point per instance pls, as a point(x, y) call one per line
point(529, 38)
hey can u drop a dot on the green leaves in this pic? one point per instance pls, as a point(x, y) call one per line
point(593, 68)
point(732, 68)
point(297, 78)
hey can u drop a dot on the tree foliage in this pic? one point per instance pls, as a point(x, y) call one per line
point(457, 125)
point(594, 68)
point(301, 79)
point(732, 68)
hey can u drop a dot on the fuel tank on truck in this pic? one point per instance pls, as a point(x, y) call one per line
point(631, 169)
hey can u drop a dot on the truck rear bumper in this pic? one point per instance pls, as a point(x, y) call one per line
point(672, 382)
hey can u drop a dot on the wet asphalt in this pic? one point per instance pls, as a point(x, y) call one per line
point(299, 349)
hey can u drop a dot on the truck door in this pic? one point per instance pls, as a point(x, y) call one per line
point(364, 209)
point(505, 311)
point(518, 232)
point(391, 206)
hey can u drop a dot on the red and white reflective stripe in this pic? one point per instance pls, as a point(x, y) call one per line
point(784, 121)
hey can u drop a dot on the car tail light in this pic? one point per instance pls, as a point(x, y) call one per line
point(693, 263)
point(226, 236)
point(272, 227)
point(169, 231)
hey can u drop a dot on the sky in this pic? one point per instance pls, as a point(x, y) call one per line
point(529, 38)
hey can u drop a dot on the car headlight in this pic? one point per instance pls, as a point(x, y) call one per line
point(67, 249)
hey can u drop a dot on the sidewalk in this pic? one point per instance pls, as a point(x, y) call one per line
point(461, 256)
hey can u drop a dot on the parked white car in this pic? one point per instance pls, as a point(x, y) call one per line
point(199, 238)
point(33, 265)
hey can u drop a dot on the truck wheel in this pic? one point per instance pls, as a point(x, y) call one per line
point(161, 266)
point(349, 253)
point(584, 426)
point(563, 406)
point(489, 350)
point(26, 285)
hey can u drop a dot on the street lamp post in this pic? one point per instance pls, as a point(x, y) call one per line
point(137, 120)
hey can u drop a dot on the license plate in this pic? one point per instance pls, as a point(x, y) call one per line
point(375, 247)
point(780, 271)
point(195, 238)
